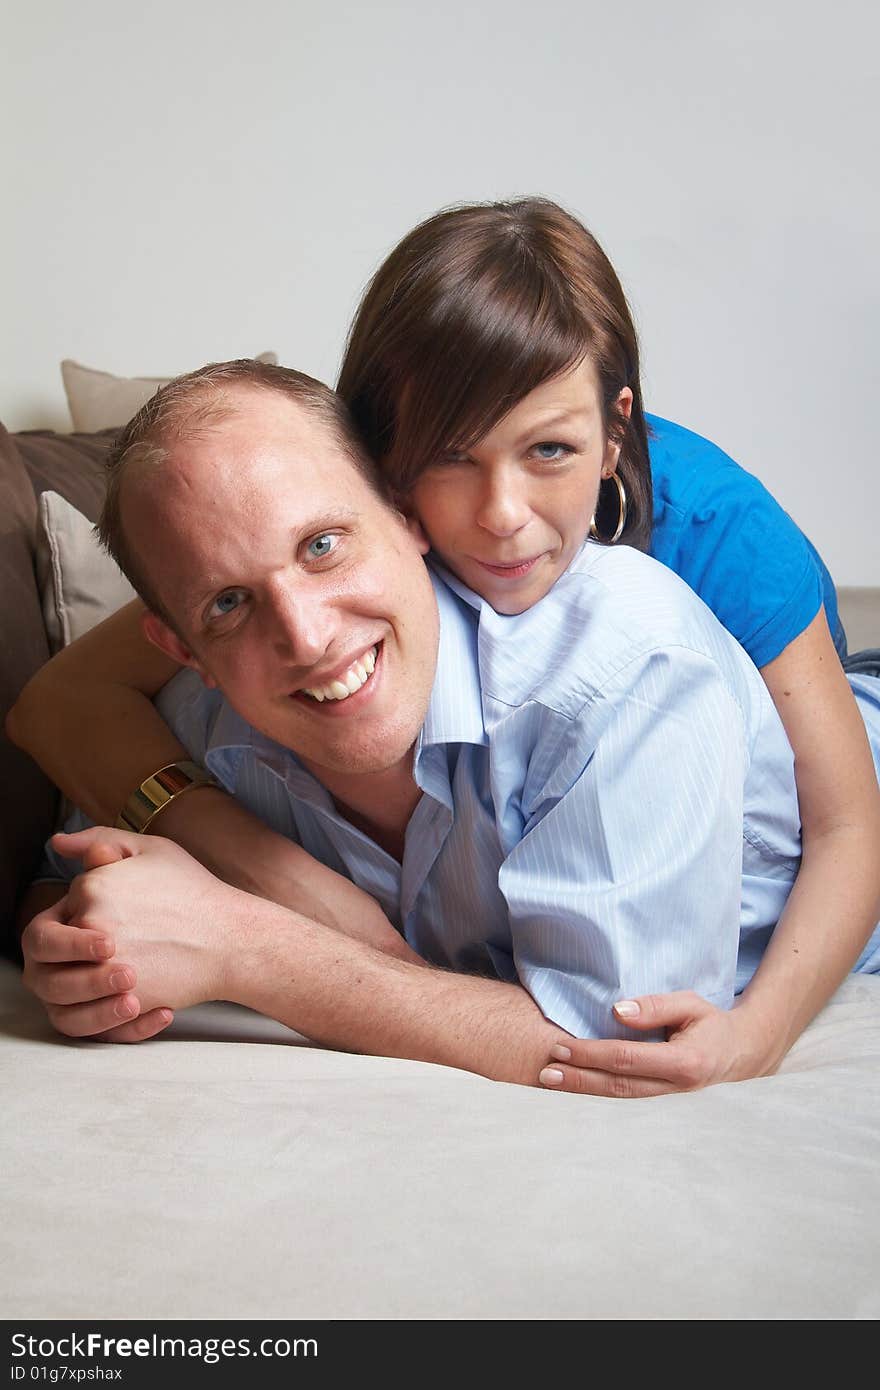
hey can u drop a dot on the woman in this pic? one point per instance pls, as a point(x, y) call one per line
point(476, 313)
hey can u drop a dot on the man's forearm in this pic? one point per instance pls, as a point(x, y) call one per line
point(345, 994)
point(186, 937)
point(240, 849)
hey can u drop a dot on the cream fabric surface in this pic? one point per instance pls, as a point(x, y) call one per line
point(230, 1170)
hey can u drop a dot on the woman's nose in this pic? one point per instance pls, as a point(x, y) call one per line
point(503, 508)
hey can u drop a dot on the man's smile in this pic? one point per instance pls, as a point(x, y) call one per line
point(348, 681)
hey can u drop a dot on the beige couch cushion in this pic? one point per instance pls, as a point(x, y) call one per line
point(79, 583)
point(99, 400)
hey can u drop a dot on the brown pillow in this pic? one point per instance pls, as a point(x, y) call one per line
point(71, 464)
point(31, 463)
point(27, 800)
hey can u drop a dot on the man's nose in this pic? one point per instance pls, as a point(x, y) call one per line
point(302, 624)
point(503, 505)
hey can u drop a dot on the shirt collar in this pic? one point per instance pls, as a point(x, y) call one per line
point(230, 733)
point(451, 581)
point(455, 710)
point(232, 736)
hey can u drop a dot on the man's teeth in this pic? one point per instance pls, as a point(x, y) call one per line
point(350, 681)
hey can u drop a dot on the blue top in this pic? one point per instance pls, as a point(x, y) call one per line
point(719, 528)
point(609, 806)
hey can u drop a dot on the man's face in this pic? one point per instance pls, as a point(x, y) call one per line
point(297, 591)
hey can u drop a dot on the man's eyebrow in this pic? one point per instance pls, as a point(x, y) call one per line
point(325, 521)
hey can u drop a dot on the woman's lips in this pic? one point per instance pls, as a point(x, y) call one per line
point(516, 571)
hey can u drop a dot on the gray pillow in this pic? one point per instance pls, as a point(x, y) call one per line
point(79, 583)
point(101, 401)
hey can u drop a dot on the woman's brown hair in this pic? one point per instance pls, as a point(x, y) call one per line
point(476, 307)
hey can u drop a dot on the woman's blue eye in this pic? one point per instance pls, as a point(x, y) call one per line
point(550, 452)
point(226, 603)
point(321, 546)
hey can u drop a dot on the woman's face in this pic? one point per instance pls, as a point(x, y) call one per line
point(509, 515)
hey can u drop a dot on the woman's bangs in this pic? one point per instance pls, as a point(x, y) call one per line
point(474, 366)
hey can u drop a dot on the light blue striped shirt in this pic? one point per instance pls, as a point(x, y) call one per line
point(608, 799)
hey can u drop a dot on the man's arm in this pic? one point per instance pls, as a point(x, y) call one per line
point(187, 937)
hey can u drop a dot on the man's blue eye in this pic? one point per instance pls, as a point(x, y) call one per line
point(226, 603)
point(321, 546)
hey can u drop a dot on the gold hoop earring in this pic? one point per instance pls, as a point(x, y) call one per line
point(621, 520)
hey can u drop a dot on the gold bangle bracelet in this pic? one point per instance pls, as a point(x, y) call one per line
point(158, 791)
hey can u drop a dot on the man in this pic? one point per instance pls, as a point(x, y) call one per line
point(481, 820)
point(335, 586)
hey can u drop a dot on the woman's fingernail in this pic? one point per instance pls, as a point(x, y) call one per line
point(627, 1008)
point(120, 980)
point(551, 1076)
point(124, 1008)
point(560, 1052)
point(102, 950)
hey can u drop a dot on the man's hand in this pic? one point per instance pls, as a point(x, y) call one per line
point(143, 916)
point(704, 1045)
point(84, 998)
point(145, 923)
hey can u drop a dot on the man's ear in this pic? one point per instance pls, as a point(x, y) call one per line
point(402, 504)
point(166, 639)
point(414, 526)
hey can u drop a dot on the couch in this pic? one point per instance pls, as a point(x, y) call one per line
point(229, 1169)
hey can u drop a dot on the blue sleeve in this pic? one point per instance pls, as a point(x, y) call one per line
point(719, 528)
point(54, 867)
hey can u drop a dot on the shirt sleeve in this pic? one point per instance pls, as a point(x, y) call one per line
point(628, 877)
point(54, 868)
point(728, 538)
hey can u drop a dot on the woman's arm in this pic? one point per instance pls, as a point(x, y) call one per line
point(87, 718)
point(830, 913)
point(835, 903)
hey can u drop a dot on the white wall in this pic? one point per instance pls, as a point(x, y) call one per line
point(190, 181)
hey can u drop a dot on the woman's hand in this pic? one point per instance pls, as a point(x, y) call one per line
point(704, 1045)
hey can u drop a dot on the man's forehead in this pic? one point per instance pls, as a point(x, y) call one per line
point(237, 490)
point(219, 493)
point(256, 421)
point(263, 445)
